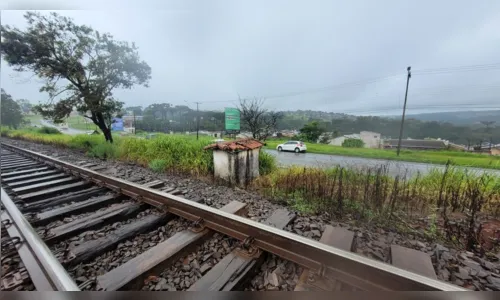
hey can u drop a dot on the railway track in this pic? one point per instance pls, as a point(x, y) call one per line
point(57, 217)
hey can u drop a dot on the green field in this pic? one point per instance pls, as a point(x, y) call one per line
point(79, 122)
point(434, 157)
point(76, 122)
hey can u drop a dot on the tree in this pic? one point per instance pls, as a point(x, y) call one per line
point(158, 110)
point(10, 111)
point(136, 110)
point(325, 138)
point(81, 67)
point(259, 121)
point(25, 105)
point(311, 132)
point(353, 143)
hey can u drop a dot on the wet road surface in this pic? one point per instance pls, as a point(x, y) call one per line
point(328, 161)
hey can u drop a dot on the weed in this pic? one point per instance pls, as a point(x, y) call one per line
point(371, 193)
point(158, 165)
point(103, 151)
point(432, 231)
point(267, 163)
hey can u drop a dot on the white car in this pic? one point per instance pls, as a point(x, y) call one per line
point(295, 146)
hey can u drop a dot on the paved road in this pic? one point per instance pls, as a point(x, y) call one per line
point(69, 131)
point(325, 161)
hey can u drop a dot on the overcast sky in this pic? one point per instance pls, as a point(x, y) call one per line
point(304, 52)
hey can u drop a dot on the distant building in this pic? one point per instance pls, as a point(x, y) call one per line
point(288, 133)
point(128, 121)
point(369, 138)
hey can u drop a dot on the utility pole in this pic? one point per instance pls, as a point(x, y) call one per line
point(134, 122)
point(404, 110)
point(197, 119)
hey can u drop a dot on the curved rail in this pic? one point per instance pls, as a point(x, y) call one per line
point(51, 266)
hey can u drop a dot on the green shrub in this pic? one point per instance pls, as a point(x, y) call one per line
point(158, 165)
point(267, 163)
point(103, 151)
point(353, 143)
point(48, 130)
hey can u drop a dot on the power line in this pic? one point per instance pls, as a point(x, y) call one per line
point(298, 93)
point(422, 107)
point(460, 69)
point(493, 66)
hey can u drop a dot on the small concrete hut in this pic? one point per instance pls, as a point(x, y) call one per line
point(236, 161)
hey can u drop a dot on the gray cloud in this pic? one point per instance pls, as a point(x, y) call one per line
point(213, 51)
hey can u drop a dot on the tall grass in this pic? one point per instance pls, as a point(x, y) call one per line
point(365, 192)
point(184, 155)
point(267, 163)
point(179, 154)
point(455, 198)
point(171, 153)
point(103, 151)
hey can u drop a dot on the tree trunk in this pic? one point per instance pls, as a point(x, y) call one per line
point(108, 135)
point(99, 121)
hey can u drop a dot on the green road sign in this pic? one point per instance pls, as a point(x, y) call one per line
point(232, 120)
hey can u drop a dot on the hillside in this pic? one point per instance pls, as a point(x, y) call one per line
point(459, 118)
point(462, 133)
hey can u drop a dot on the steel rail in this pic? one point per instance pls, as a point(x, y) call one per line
point(37, 275)
point(350, 268)
point(54, 270)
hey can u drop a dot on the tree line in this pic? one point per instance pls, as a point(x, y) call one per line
point(415, 129)
point(160, 117)
point(12, 110)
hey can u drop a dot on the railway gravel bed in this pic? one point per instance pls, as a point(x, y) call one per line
point(458, 267)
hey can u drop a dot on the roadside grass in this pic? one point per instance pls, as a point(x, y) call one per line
point(371, 195)
point(181, 154)
point(428, 156)
point(267, 163)
point(339, 190)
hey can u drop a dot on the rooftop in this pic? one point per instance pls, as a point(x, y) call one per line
point(236, 145)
